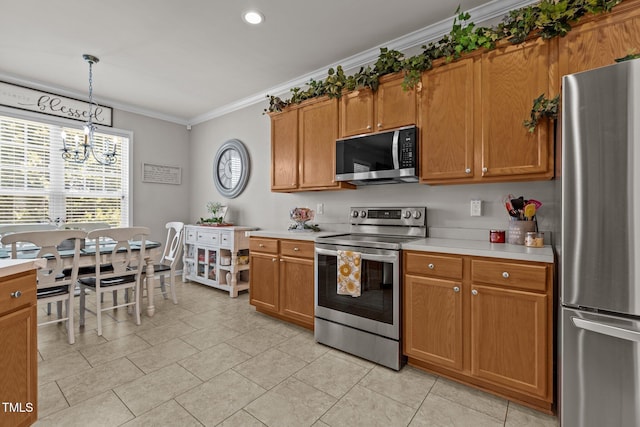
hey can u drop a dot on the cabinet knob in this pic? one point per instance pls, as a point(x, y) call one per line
point(431, 266)
point(467, 170)
point(16, 294)
point(296, 249)
point(456, 289)
point(261, 245)
point(274, 259)
point(505, 274)
point(379, 125)
point(474, 292)
point(369, 127)
point(485, 169)
point(281, 260)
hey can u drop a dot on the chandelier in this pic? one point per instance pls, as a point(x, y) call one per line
point(79, 153)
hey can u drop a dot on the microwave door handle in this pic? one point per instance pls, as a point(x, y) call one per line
point(394, 149)
point(369, 257)
point(605, 329)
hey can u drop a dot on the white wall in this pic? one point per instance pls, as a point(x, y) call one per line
point(448, 206)
point(164, 143)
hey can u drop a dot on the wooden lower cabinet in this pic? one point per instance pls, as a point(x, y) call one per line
point(282, 279)
point(18, 350)
point(509, 338)
point(489, 324)
point(433, 335)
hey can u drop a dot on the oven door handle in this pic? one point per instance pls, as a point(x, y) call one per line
point(363, 255)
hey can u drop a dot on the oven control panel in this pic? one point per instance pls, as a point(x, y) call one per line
point(413, 216)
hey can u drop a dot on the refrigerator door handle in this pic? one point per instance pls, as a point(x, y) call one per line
point(605, 329)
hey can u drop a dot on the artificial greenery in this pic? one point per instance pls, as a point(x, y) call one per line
point(547, 19)
point(217, 211)
point(628, 57)
point(542, 107)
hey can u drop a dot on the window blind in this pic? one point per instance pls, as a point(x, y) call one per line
point(38, 185)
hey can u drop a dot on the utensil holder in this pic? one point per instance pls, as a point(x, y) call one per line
point(518, 230)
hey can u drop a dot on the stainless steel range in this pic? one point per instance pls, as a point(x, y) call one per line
point(363, 318)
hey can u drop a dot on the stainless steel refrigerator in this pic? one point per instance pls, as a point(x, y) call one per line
point(599, 251)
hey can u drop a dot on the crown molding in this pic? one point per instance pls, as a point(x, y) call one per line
point(434, 32)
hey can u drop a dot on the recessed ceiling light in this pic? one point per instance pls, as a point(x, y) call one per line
point(253, 17)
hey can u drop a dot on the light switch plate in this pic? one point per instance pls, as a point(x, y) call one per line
point(320, 208)
point(476, 208)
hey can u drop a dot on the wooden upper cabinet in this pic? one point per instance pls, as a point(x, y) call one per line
point(512, 77)
point(363, 111)
point(284, 150)
point(356, 112)
point(446, 113)
point(318, 131)
point(601, 39)
point(395, 107)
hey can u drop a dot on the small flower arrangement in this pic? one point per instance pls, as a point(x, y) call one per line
point(217, 211)
point(301, 216)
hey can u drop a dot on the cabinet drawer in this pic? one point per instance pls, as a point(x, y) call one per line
point(434, 265)
point(297, 248)
point(510, 274)
point(23, 283)
point(190, 235)
point(263, 245)
point(225, 239)
point(209, 238)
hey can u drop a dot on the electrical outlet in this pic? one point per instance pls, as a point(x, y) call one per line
point(476, 208)
point(320, 208)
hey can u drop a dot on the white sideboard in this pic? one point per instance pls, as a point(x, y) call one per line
point(217, 257)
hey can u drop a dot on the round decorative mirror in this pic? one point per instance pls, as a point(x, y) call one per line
point(231, 168)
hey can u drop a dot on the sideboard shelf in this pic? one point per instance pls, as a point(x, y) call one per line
point(217, 257)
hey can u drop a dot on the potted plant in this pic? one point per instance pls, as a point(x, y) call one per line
point(217, 211)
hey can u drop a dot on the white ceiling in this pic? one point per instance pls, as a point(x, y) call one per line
point(186, 61)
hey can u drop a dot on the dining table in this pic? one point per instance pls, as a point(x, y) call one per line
point(88, 259)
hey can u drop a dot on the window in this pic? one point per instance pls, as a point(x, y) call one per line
point(37, 185)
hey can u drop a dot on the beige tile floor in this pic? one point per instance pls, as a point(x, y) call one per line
point(212, 360)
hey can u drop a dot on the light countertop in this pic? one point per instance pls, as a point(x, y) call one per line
point(442, 245)
point(15, 266)
point(482, 248)
point(292, 235)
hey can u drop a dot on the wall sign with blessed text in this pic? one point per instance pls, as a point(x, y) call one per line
point(161, 174)
point(24, 98)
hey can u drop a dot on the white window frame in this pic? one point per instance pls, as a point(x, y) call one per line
point(127, 204)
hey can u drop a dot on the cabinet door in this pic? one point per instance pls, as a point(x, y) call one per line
point(263, 283)
point(447, 122)
point(395, 106)
point(318, 131)
point(433, 320)
point(599, 42)
point(284, 150)
point(18, 352)
point(512, 77)
point(510, 339)
point(297, 289)
point(356, 112)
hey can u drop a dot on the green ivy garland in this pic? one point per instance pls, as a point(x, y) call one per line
point(548, 19)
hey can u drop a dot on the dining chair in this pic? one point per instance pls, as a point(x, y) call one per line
point(117, 267)
point(170, 258)
point(53, 284)
point(88, 271)
point(87, 226)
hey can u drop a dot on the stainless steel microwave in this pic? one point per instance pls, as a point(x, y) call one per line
point(378, 158)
